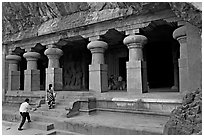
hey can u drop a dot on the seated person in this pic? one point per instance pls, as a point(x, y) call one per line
point(111, 83)
point(121, 85)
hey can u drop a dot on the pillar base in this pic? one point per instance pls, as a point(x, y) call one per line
point(136, 77)
point(98, 77)
point(54, 77)
point(14, 80)
point(32, 80)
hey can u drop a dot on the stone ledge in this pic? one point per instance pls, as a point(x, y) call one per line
point(148, 100)
point(144, 112)
point(25, 94)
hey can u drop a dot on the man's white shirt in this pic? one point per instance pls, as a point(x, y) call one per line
point(24, 107)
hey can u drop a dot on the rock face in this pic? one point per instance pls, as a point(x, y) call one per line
point(186, 119)
point(22, 20)
point(188, 12)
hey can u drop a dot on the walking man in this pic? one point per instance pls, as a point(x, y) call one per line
point(24, 111)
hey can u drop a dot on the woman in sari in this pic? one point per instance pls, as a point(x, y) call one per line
point(50, 97)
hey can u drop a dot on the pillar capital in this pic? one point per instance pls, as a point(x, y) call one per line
point(31, 58)
point(31, 55)
point(179, 32)
point(135, 44)
point(53, 55)
point(136, 41)
point(53, 52)
point(97, 49)
point(97, 44)
point(13, 58)
point(13, 62)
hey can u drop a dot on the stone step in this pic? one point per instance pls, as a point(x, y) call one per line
point(155, 105)
point(62, 132)
point(63, 106)
point(137, 112)
point(51, 113)
point(71, 95)
point(39, 125)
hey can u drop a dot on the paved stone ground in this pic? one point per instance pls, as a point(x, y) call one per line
point(11, 128)
point(124, 121)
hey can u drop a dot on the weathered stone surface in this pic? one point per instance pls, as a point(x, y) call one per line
point(22, 20)
point(187, 12)
point(187, 118)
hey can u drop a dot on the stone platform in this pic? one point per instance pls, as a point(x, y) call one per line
point(101, 123)
point(114, 113)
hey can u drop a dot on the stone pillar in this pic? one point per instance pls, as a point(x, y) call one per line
point(54, 72)
point(98, 76)
point(14, 74)
point(32, 75)
point(180, 35)
point(4, 73)
point(136, 67)
point(175, 62)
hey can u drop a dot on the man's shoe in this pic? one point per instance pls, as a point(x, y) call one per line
point(20, 129)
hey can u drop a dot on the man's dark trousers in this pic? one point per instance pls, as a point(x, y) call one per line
point(24, 116)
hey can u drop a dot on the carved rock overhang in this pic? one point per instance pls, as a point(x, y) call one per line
point(53, 19)
point(159, 30)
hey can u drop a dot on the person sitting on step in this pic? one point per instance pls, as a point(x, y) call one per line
point(121, 85)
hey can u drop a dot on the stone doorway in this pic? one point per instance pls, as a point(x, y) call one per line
point(161, 54)
point(75, 62)
point(42, 64)
point(122, 67)
point(116, 57)
point(159, 65)
point(22, 68)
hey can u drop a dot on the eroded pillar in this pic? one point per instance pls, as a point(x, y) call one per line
point(14, 74)
point(180, 35)
point(136, 67)
point(32, 74)
point(54, 72)
point(98, 77)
